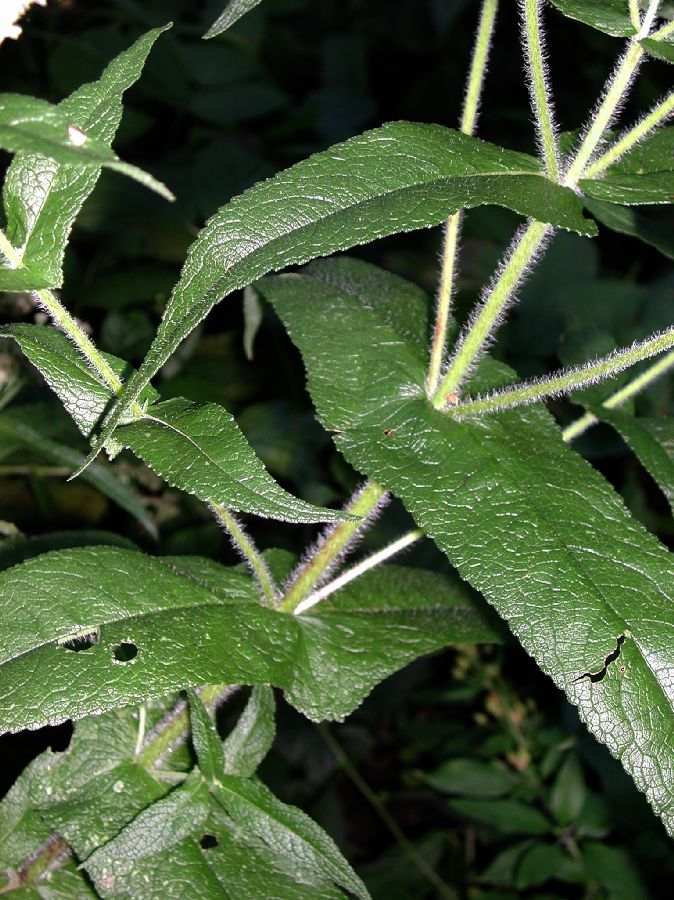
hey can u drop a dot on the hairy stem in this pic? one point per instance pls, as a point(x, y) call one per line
point(538, 84)
point(248, 550)
point(174, 728)
point(614, 93)
point(60, 316)
point(371, 562)
point(332, 546)
point(650, 121)
point(568, 379)
point(478, 69)
point(635, 16)
point(631, 389)
point(473, 340)
point(408, 848)
point(663, 32)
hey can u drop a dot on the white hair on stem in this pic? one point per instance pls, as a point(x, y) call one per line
point(313, 549)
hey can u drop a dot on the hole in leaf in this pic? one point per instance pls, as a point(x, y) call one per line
point(125, 651)
point(594, 677)
point(85, 640)
point(208, 841)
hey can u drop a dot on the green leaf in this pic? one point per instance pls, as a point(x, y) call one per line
point(206, 740)
point(251, 739)
point(509, 816)
point(644, 175)
point(113, 603)
point(522, 517)
point(568, 793)
point(199, 448)
point(233, 11)
point(286, 829)
point(614, 869)
point(81, 390)
point(42, 198)
point(651, 439)
point(161, 826)
point(102, 477)
point(471, 777)
point(609, 16)
point(538, 864)
point(400, 177)
point(17, 550)
point(663, 50)
point(655, 228)
point(31, 125)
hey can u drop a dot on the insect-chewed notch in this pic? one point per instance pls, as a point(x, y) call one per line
point(80, 640)
point(610, 658)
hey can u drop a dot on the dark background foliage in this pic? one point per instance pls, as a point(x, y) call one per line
point(475, 755)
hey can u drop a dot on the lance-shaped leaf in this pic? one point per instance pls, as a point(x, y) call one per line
point(400, 177)
point(651, 439)
point(199, 448)
point(286, 829)
point(14, 427)
point(42, 197)
point(127, 627)
point(250, 740)
point(83, 392)
point(609, 16)
point(206, 740)
point(232, 12)
point(527, 521)
point(644, 175)
point(663, 50)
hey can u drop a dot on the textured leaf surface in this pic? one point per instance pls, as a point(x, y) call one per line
point(663, 50)
point(198, 447)
point(286, 829)
point(83, 393)
point(41, 197)
point(400, 177)
point(655, 228)
point(523, 518)
point(232, 12)
point(644, 175)
point(250, 740)
point(206, 740)
point(609, 16)
point(99, 475)
point(651, 439)
point(326, 662)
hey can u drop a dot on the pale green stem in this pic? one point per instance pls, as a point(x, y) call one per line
point(248, 551)
point(472, 342)
point(371, 562)
point(478, 68)
point(174, 729)
point(663, 32)
point(331, 547)
point(540, 95)
point(655, 117)
point(568, 379)
point(408, 848)
point(66, 323)
point(649, 18)
point(635, 16)
point(617, 87)
point(634, 387)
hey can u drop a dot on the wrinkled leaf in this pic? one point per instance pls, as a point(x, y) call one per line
point(644, 175)
point(663, 50)
point(206, 740)
point(199, 448)
point(41, 197)
point(250, 740)
point(286, 829)
point(522, 517)
point(609, 16)
point(400, 177)
point(145, 628)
